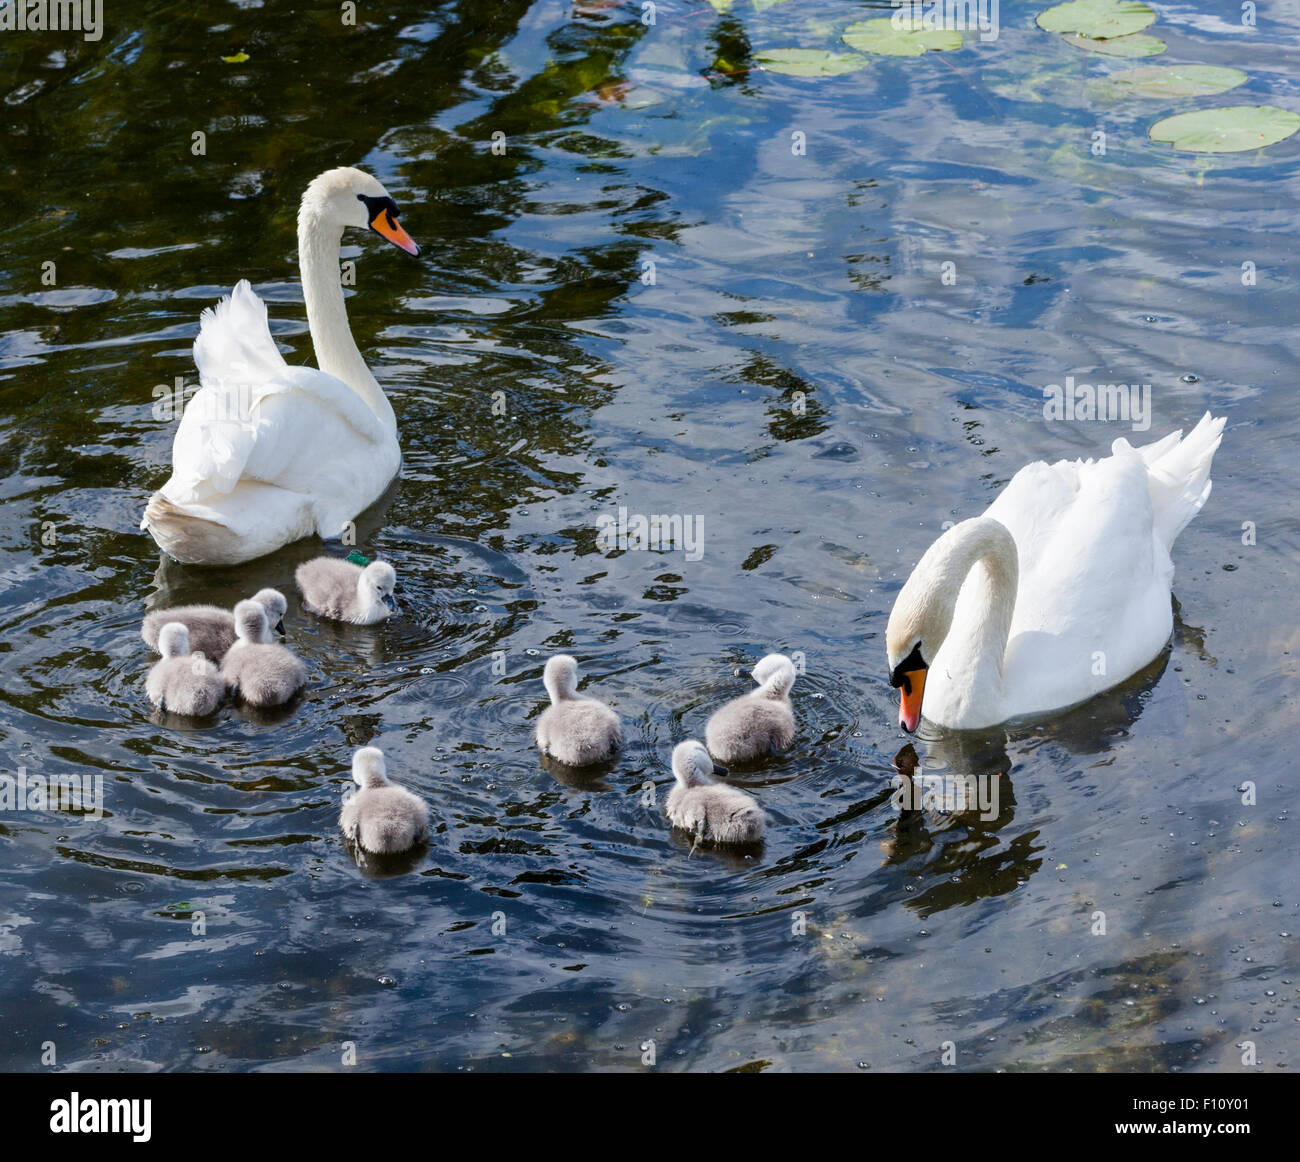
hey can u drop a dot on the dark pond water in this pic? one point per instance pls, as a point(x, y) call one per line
point(796, 373)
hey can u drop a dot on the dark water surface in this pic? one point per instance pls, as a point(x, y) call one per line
point(854, 939)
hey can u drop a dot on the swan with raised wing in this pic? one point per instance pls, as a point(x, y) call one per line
point(1060, 590)
point(267, 453)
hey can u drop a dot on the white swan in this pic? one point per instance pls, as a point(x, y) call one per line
point(267, 453)
point(1059, 591)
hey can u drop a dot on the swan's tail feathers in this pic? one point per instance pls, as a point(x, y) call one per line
point(1179, 475)
point(234, 346)
point(251, 521)
point(184, 536)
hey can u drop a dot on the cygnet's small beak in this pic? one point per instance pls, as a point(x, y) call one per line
point(390, 601)
point(279, 627)
point(717, 770)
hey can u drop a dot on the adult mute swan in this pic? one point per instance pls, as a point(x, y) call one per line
point(267, 453)
point(1059, 591)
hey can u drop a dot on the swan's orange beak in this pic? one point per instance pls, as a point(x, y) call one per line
point(909, 704)
point(387, 226)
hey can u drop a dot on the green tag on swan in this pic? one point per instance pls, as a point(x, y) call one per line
point(358, 558)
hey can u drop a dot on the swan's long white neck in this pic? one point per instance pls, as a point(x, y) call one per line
point(974, 573)
point(319, 241)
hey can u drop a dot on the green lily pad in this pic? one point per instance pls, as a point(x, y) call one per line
point(809, 62)
point(1232, 129)
point(238, 59)
point(722, 5)
point(1135, 45)
point(910, 38)
point(1177, 80)
point(1098, 19)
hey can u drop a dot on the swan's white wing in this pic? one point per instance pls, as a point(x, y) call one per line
point(1093, 601)
point(255, 417)
point(1179, 475)
point(234, 343)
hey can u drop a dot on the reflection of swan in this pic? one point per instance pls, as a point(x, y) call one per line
point(711, 811)
point(972, 786)
point(758, 723)
point(265, 452)
point(1059, 591)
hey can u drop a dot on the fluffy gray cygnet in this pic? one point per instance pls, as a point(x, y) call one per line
point(263, 674)
point(758, 723)
point(711, 811)
point(342, 591)
point(183, 683)
point(211, 628)
point(574, 729)
point(381, 817)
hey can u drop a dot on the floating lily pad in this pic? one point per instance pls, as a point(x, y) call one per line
point(722, 5)
point(1177, 80)
point(809, 62)
point(1232, 129)
point(1098, 19)
point(238, 59)
point(1135, 45)
point(909, 38)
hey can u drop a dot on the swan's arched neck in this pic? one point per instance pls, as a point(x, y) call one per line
point(973, 573)
point(319, 243)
